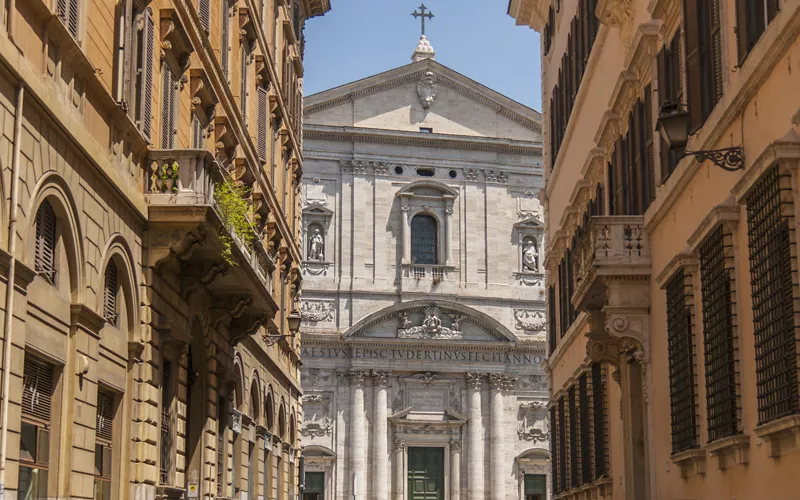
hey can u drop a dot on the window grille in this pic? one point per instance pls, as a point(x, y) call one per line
point(586, 443)
point(225, 42)
point(144, 75)
point(45, 258)
point(718, 334)
point(167, 108)
point(599, 422)
point(770, 228)
point(681, 363)
point(562, 447)
point(423, 239)
point(221, 419)
point(110, 294)
point(574, 457)
point(554, 481)
point(166, 421)
point(551, 318)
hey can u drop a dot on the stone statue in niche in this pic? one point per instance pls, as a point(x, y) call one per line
point(530, 255)
point(316, 246)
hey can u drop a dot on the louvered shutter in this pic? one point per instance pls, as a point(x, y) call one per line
point(663, 70)
point(110, 294)
point(197, 132)
point(676, 61)
point(167, 107)
point(45, 255)
point(693, 74)
point(37, 390)
point(62, 11)
point(639, 166)
point(773, 7)
point(225, 43)
point(74, 11)
point(145, 95)
point(262, 123)
point(649, 146)
point(716, 52)
point(105, 415)
point(204, 11)
point(243, 80)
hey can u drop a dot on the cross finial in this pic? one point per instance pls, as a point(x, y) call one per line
point(423, 15)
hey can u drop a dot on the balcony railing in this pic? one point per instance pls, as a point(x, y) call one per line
point(181, 177)
point(609, 246)
point(423, 271)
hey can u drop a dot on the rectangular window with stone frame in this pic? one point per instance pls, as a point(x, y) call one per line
point(554, 458)
point(561, 435)
point(599, 425)
point(574, 450)
point(166, 463)
point(752, 19)
point(104, 445)
point(681, 355)
point(771, 234)
point(717, 278)
point(133, 76)
point(585, 429)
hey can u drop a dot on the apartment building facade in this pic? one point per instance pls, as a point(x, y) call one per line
point(672, 140)
point(151, 171)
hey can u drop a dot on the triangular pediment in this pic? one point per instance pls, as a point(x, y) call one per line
point(435, 320)
point(317, 209)
point(531, 222)
point(406, 98)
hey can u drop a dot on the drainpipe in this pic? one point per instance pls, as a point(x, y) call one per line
point(12, 268)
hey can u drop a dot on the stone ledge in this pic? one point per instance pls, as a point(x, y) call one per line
point(782, 435)
point(692, 462)
point(730, 451)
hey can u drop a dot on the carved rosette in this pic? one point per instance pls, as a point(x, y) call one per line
point(455, 446)
point(399, 444)
point(475, 380)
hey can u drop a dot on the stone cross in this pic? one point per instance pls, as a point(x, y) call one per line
point(423, 15)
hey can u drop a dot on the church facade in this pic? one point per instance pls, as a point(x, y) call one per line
point(423, 308)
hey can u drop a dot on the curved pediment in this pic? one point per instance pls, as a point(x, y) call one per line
point(426, 187)
point(431, 320)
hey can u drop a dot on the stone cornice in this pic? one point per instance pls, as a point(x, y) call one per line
point(532, 13)
point(311, 340)
point(369, 135)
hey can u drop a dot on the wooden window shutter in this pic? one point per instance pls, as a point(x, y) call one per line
point(619, 174)
point(742, 29)
point(243, 80)
point(773, 7)
point(225, 42)
point(197, 132)
point(204, 11)
point(74, 12)
point(663, 77)
point(62, 11)
point(110, 294)
point(716, 53)
point(612, 209)
point(45, 253)
point(649, 146)
point(167, 107)
point(639, 165)
point(263, 112)
point(693, 72)
point(37, 389)
point(145, 96)
point(105, 415)
point(676, 71)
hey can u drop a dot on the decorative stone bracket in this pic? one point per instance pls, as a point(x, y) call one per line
point(692, 462)
point(618, 14)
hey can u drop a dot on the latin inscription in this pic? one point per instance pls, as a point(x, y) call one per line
point(428, 400)
point(460, 356)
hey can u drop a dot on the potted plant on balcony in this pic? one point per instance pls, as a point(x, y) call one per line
point(237, 216)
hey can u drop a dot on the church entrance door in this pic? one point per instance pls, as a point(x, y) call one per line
point(425, 473)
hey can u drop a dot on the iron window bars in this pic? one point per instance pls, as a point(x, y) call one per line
point(599, 422)
point(681, 364)
point(771, 240)
point(716, 276)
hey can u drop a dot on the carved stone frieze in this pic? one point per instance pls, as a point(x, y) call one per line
point(431, 326)
point(316, 310)
point(320, 428)
point(531, 320)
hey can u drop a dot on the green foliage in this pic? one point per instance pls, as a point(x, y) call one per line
point(237, 216)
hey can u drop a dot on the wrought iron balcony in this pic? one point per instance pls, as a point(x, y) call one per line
point(609, 247)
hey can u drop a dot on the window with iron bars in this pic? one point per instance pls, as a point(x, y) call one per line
point(719, 339)
point(554, 453)
point(586, 443)
point(574, 452)
point(770, 234)
point(599, 421)
point(562, 447)
point(680, 340)
point(165, 465)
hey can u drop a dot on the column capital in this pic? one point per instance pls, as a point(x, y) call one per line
point(381, 378)
point(475, 380)
point(501, 381)
point(358, 376)
point(455, 446)
point(399, 444)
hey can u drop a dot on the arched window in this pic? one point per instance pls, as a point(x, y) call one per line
point(45, 259)
point(110, 294)
point(423, 240)
point(282, 422)
point(269, 411)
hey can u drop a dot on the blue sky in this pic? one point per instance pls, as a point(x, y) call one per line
point(359, 38)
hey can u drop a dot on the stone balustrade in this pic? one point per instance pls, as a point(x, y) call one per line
point(609, 246)
point(181, 177)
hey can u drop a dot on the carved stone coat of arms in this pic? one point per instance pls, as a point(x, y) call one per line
point(426, 89)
